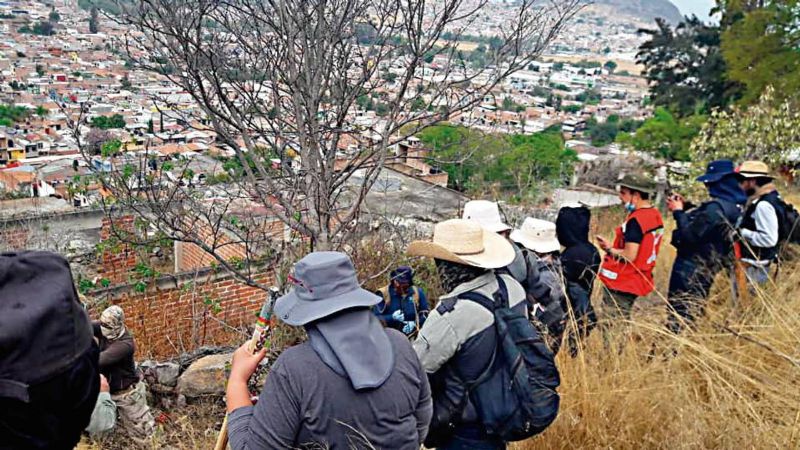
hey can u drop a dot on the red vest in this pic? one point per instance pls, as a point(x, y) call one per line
point(635, 277)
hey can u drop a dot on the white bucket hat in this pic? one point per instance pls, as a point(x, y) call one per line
point(537, 235)
point(485, 213)
point(465, 242)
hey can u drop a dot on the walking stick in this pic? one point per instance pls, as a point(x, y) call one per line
point(256, 343)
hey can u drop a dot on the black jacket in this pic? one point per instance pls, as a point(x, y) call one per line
point(703, 234)
point(116, 360)
point(580, 260)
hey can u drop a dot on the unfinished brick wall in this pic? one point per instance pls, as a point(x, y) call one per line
point(14, 238)
point(187, 315)
point(117, 261)
point(190, 256)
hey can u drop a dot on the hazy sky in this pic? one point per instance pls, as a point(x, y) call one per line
point(698, 7)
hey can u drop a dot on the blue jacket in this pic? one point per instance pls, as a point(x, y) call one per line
point(406, 304)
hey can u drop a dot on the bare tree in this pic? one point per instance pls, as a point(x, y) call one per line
point(279, 83)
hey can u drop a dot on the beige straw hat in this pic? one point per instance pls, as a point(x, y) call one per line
point(754, 169)
point(465, 242)
point(537, 235)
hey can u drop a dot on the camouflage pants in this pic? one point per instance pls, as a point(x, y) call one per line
point(133, 414)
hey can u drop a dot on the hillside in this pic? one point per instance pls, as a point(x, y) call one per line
point(646, 10)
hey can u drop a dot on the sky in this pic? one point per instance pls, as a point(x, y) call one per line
point(698, 7)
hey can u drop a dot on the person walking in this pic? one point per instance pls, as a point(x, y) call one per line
point(404, 306)
point(49, 378)
point(627, 268)
point(703, 239)
point(128, 390)
point(540, 247)
point(353, 384)
point(524, 269)
point(761, 223)
point(487, 215)
point(580, 262)
point(459, 347)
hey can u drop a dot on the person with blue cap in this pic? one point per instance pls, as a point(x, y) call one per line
point(404, 306)
point(704, 241)
point(354, 383)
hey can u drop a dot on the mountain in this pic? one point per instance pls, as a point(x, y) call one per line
point(646, 10)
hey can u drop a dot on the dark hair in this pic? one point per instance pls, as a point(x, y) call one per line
point(453, 274)
point(763, 181)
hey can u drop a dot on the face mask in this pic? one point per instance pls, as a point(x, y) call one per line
point(750, 192)
point(630, 207)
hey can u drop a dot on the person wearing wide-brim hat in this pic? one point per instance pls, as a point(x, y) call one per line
point(703, 239)
point(487, 214)
point(627, 268)
point(456, 342)
point(546, 292)
point(352, 379)
point(762, 220)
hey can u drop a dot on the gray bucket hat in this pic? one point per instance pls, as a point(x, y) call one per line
point(324, 283)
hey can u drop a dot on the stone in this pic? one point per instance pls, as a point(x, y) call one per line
point(205, 377)
point(167, 373)
point(180, 401)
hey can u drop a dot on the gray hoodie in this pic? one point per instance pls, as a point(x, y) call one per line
point(353, 385)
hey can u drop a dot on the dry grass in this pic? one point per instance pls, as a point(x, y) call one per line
point(731, 383)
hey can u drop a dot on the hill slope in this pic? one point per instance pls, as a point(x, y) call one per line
point(645, 9)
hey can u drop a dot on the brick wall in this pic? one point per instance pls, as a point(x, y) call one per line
point(189, 256)
point(178, 316)
point(14, 237)
point(117, 262)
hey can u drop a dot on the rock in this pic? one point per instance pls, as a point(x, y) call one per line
point(180, 402)
point(167, 373)
point(205, 377)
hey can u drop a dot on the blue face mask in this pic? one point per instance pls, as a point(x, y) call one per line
point(630, 207)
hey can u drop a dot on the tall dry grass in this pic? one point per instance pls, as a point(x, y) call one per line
point(732, 382)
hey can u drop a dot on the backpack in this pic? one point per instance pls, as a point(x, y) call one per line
point(789, 224)
point(43, 327)
point(515, 396)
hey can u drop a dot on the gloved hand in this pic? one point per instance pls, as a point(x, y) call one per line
point(399, 316)
point(409, 327)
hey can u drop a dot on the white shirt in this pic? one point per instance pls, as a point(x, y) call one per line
point(766, 233)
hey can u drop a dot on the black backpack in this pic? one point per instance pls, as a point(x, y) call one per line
point(789, 224)
point(516, 395)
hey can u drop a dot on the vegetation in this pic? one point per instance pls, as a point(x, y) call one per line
point(10, 114)
point(94, 20)
point(39, 28)
point(768, 130)
point(760, 46)
point(517, 165)
point(107, 123)
point(685, 69)
point(665, 135)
